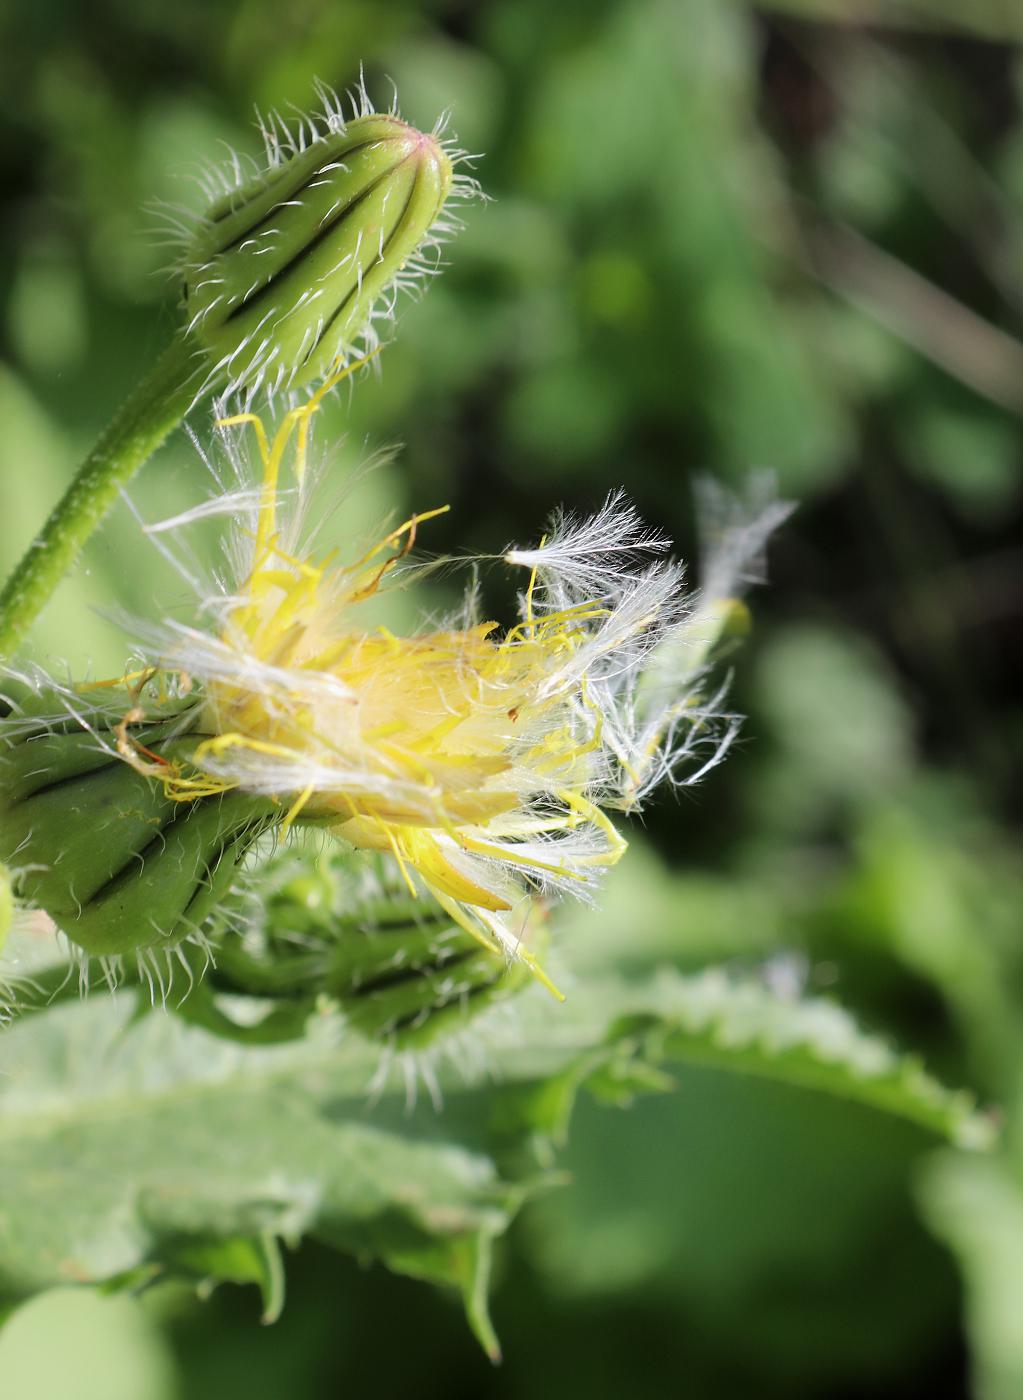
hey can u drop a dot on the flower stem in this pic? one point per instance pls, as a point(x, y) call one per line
point(151, 411)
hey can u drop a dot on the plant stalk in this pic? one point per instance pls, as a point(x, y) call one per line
point(155, 407)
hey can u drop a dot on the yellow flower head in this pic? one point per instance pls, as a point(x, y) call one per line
point(481, 757)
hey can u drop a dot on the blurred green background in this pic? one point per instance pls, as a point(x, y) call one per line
point(723, 236)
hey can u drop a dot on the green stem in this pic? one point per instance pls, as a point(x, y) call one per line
point(138, 428)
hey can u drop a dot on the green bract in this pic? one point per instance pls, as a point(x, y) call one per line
point(116, 863)
point(283, 273)
point(315, 934)
point(123, 867)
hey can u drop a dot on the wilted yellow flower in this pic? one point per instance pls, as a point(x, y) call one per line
point(484, 759)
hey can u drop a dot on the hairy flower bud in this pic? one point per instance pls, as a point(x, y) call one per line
point(283, 275)
point(322, 933)
point(117, 864)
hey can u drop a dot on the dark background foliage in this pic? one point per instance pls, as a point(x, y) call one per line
point(723, 236)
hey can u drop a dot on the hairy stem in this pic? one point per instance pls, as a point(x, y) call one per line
point(138, 428)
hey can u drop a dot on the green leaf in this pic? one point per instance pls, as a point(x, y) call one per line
point(738, 1025)
point(742, 1026)
point(123, 1144)
point(134, 1147)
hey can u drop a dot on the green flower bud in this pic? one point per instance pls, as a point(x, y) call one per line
point(117, 864)
point(397, 968)
point(284, 273)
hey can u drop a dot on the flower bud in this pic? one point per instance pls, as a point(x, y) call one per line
point(399, 970)
point(283, 273)
point(117, 863)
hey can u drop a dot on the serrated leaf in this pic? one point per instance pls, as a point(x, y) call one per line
point(130, 1143)
point(180, 1148)
point(740, 1026)
point(236, 1259)
point(745, 1027)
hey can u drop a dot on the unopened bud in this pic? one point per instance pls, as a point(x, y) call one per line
point(283, 274)
point(398, 969)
